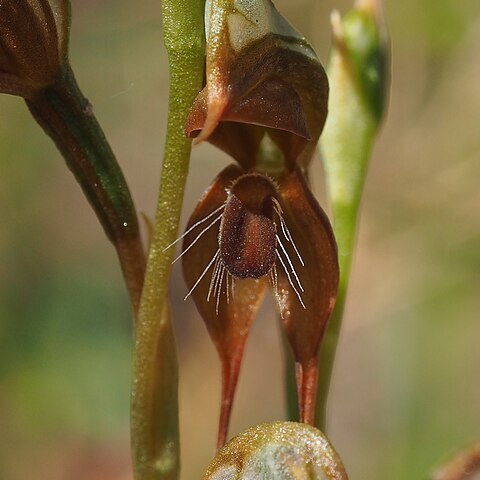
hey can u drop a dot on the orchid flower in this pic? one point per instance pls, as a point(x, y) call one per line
point(259, 225)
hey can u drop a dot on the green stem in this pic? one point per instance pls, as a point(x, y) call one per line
point(66, 116)
point(154, 409)
point(345, 224)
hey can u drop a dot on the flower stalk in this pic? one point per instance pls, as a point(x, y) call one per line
point(154, 407)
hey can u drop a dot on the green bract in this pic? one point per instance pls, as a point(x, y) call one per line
point(358, 74)
point(365, 45)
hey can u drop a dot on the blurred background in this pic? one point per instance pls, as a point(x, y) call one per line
point(406, 390)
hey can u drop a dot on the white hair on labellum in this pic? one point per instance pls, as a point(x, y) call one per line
point(215, 257)
point(214, 276)
point(195, 225)
point(290, 263)
point(219, 271)
point(205, 270)
point(222, 274)
point(273, 277)
point(216, 281)
point(285, 269)
point(286, 232)
point(233, 288)
point(295, 282)
point(197, 238)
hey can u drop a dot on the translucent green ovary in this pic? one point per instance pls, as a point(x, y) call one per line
point(277, 451)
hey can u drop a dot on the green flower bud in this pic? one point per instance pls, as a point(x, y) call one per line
point(280, 451)
point(357, 72)
point(358, 75)
point(363, 35)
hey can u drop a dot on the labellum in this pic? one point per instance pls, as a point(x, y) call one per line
point(263, 81)
point(247, 237)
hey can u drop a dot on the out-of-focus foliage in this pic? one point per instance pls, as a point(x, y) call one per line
point(405, 389)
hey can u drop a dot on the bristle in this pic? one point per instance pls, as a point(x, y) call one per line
point(196, 224)
point(290, 279)
point(198, 238)
point(203, 273)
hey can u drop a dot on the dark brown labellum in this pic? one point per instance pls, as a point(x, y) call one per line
point(247, 238)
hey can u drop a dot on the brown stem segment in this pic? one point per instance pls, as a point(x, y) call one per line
point(307, 377)
point(66, 116)
point(230, 373)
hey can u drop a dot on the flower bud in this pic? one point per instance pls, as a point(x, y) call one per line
point(360, 38)
point(34, 37)
point(280, 451)
point(33, 44)
point(358, 75)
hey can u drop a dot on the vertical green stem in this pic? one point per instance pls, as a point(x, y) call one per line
point(346, 154)
point(67, 117)
point(154, 410)
point(345, 236)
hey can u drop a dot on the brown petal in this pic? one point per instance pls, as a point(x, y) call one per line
point(272, 79)
point(305, 327)
point(296, 90)
point(229, 327)
point(239, 140)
